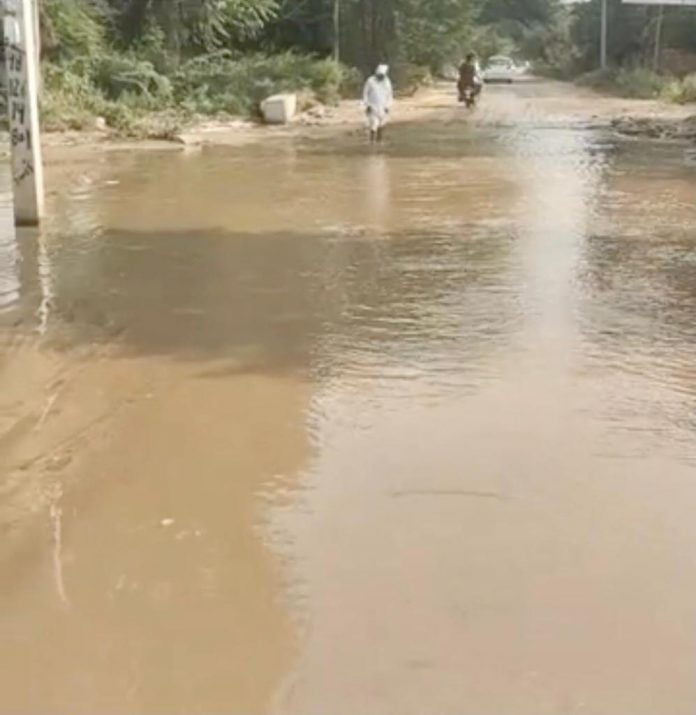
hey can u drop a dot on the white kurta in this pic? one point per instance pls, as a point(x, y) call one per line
point(378, 97)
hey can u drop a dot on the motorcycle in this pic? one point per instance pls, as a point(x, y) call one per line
point(467, 96)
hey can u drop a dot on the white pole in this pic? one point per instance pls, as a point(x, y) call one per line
point(3, 74)
point(37, 29)
point(337, 30)
point(658, 39)
point(23, 108)
point(603, 40)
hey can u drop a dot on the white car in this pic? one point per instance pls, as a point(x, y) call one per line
point(500, 69)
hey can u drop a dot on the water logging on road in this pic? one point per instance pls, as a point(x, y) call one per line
point(309, 428)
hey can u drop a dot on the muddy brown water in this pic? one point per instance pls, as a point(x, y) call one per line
point(308, 428)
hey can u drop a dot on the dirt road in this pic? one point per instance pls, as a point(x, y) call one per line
point(532, 101)
point(307, 427)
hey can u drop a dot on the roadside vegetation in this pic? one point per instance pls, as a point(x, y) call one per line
point(638, 67)
point(642, 83)
point(148, 67)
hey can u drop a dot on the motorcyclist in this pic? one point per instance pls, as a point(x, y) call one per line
point(470, 78)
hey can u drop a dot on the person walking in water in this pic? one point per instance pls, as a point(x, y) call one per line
point(378, 97)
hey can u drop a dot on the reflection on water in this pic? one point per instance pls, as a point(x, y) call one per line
point(9, 272)
point(9, 255)
point(496, 331)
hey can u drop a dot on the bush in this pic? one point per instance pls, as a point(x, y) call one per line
point(408, 78)
point(116, 75)
point(681, 91)
point(672, 91)
point(603, 80)
point(351, 83)
point(120, 90)
point(222, 83)
point(565, 72)
point(68, 100)
point(638, 83)
point(124, 88)
point(71, 100)
point(151, 47)
point(688, 89)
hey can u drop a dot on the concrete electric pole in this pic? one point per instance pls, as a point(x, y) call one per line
point(604, 31)
point(658, 38)
point(337, 30)
point(22, 77)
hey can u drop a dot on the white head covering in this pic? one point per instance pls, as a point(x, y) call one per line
point(382, 70)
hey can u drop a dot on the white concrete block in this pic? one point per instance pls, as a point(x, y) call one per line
point(279, 109)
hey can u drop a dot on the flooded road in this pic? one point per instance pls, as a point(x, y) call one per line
point(304, 427)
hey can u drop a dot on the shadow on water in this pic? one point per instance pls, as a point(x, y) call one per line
point(10, 263)
point(285, 301)
point(303, 299)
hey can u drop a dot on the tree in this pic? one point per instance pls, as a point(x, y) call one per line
point(524, 12)
point(631, 32)
point(432, 32)
point(306, 24)
point(193, 24)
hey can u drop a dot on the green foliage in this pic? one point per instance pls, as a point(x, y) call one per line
point(489, 41)
point(688, 93)
point(551, 44)
point(568, 45)
point(603, 80)
point(193, 25)
point(72, 28)
point(351, 82)
point(151, 47)
point(638, 83)
point(408, 78)
point(631, 32)
point(242, 19)
point(124, 89)
point(119, 75)
point(521, 12)
point(528, 28)
point(68, 100)
point(71, 101)
point(434, 32)
point(121, 59)
point(681, 91)
point(236, 85)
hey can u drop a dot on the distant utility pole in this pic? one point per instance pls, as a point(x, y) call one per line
point(658, 38)
point(337, 30)
point(604, 31)
point(22, 75)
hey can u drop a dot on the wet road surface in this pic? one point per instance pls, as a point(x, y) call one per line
point(305, 427)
